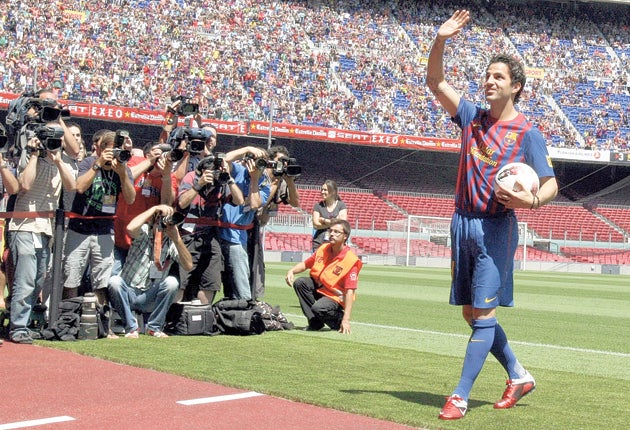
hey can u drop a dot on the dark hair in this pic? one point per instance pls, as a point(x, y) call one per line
point(274, 150)
point(98, 134)
point(44, 91)
point(332, 187)
point(517, 71)
point(343, 223)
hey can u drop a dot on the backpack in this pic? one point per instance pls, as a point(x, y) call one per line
point(238, 317)
point(69, 321)
point(273, 318)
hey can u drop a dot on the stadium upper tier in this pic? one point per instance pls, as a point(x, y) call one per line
point(356, 65)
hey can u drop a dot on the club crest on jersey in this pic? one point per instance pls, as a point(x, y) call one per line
point(510, 138)
point(337, 270)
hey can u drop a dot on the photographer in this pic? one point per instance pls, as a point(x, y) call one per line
point(197, 143)
point(154, 184)
point(40, 184)
point(143, 285)
point(249, 175)
point(90, 239)
point(202, 195)
point(283, 191)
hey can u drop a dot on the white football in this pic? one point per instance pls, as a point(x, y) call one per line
point(526, 176)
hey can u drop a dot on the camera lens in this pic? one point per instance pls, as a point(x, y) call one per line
point(122, 155)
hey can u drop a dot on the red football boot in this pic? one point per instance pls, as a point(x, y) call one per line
point(515, 391)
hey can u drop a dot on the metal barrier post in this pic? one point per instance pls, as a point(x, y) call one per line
point(57, 287)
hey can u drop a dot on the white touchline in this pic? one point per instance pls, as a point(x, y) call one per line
point(32, 423)
point(539, 345)
point(216, 399)
point(515, 342)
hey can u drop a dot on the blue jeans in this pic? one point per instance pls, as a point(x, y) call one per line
point(156, 301)
point(31, 265)
point(120, 256)
point(236, 279)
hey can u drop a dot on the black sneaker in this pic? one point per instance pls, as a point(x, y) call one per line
point(23, 338)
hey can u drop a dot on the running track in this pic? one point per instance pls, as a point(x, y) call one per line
point(72, 391)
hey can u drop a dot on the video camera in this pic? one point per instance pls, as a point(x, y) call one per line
point(185, 108)
point(28, 112)
point(194, 137)
point(50, 137)
point(280, 167)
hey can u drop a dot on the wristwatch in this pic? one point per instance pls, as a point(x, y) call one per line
point(96, 167)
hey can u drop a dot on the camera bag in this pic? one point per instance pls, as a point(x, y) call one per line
point(189, 319)
point(238, 317)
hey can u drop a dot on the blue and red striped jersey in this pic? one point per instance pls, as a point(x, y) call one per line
point(488, 145)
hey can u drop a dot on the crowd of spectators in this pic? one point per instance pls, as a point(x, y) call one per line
point(347, 64)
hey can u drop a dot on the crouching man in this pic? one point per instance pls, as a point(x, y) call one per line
point(144, 284)
point(327, 295)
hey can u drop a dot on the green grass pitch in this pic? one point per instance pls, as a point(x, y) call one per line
point(406, 349)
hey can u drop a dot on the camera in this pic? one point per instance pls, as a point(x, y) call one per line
point(185, 108)
point(260, 163)
point(176, 218)
point(211, 162)
point(280, 167)
point(121, 136)
point(49, 136)
point(194, 137)
point(291, 167)
point(48, 114)
point(173, 154)
point(122, 155)
point(214, 163)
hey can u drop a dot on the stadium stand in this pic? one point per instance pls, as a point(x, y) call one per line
point(348, 65)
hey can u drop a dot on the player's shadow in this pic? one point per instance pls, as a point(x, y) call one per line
point(418, 397)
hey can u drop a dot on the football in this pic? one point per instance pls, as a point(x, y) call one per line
point(526, 176)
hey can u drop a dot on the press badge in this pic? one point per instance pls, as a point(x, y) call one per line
point(109, 204)
point(146, 188)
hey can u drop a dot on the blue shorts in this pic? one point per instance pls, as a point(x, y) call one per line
point(482, 260)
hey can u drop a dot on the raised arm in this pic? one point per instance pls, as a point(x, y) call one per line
point(445, 94)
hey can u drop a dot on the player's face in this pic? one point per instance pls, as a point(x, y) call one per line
point(498, 83)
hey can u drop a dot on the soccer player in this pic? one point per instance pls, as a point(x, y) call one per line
point(484, 231)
